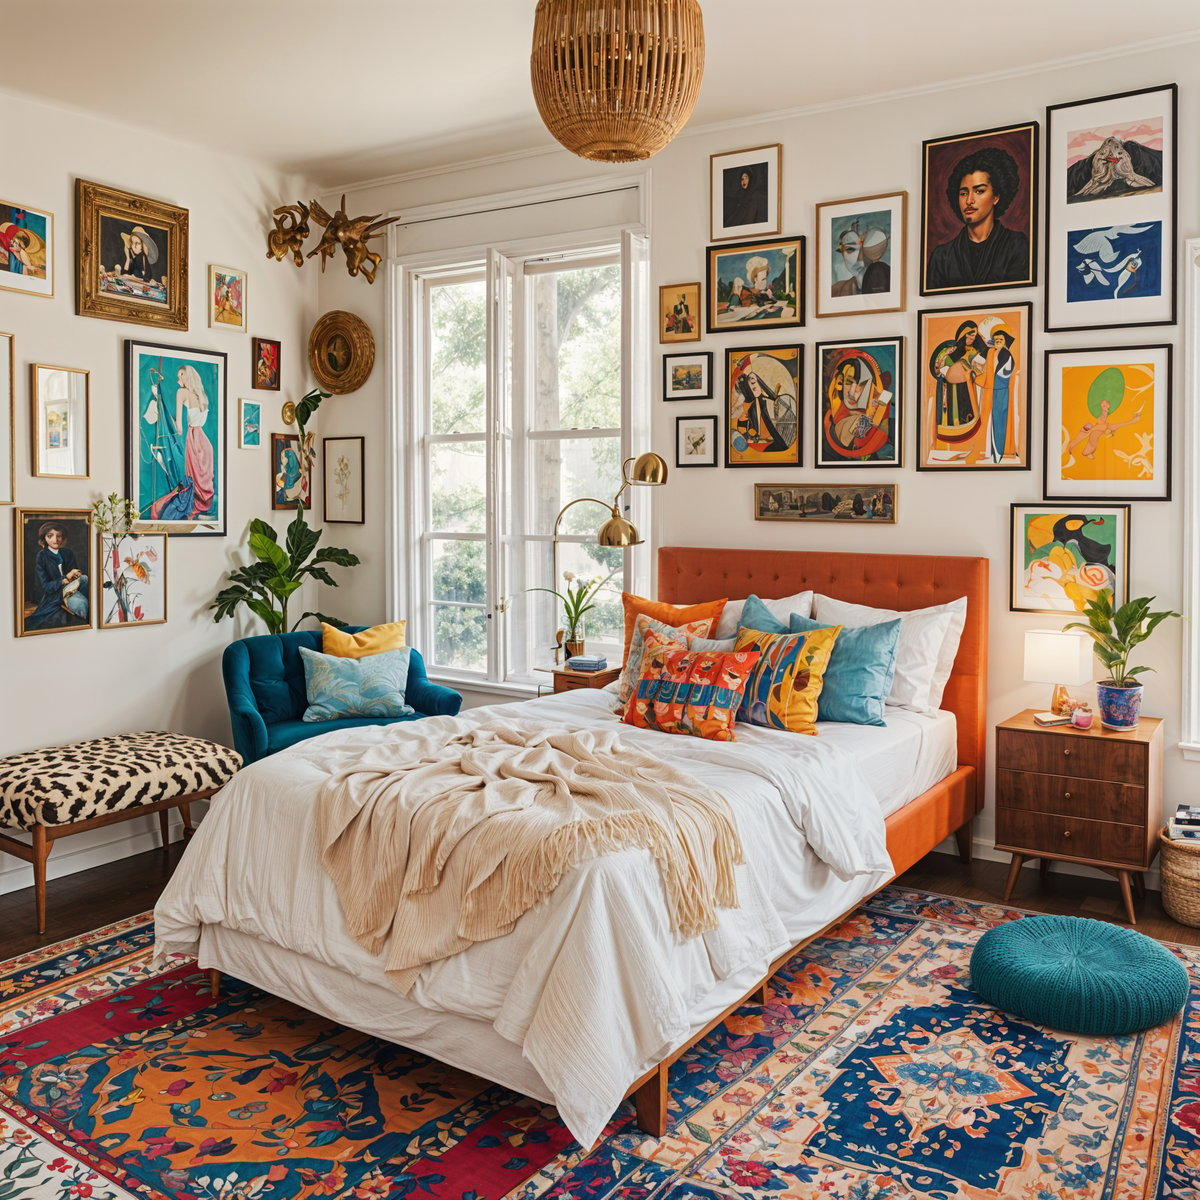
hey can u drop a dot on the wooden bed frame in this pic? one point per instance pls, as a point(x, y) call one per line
point(688, 574)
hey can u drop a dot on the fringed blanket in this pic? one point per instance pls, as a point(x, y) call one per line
point(448, 836)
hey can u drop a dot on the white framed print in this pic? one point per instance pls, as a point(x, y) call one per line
point(688, 376)
point(342, 476)
point(745, 192)
point(862, 255)
point(696, 442)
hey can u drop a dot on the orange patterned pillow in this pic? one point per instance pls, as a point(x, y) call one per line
point(696, 692)
point(668, 614)
point(664, 635)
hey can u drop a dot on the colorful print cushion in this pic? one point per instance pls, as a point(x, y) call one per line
point(784, 687)
point(372, 686)
point(678, 635)
point(691, 692)
point(375, 640)
point(668, 614)
point(859, 675)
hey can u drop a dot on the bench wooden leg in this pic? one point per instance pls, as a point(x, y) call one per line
point(651, 1103)
point(185, 811)
point(164, 825)
point(42, 846)
point(214, 982)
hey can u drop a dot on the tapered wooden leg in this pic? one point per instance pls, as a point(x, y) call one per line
point(1017, 862)
point(651, 1103)
point(1044, 867)
point(1123, 876)
point(41, 852)
point(962, 835)
point(185, 811)
point(164, 825)
point(1139, 883)
point(214, 982)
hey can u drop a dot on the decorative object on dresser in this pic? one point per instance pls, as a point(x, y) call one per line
point(566, 679)
point(862, 255)
point(26, 249)
point(8, 421)
point(756, 285)
point(341, 352)
point(679, 312)
point(1083, 796)
point(344, 489)
point(60, 421)
point(745, 192)
point(264, 364)
point(1058, 657)
point(226, 298)
point(52, 549)
point(873, 502)
point(858, 405)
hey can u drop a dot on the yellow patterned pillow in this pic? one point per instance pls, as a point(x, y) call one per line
point(783, 687)
point(375, 640)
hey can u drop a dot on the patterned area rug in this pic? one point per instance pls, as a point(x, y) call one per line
point(874, 1073)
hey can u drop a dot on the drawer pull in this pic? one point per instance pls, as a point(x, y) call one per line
point(1067, 750)
point(1066, 795)
point(1066, 833)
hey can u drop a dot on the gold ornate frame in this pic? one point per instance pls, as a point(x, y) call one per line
point(20, 516)
point(341, 352)
point(93, 203)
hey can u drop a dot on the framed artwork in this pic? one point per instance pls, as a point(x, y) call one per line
point(871, 502)
point(756, 285)
point(264, 364)
point(133, 258)
point(978, 200)
point(344, 490)
point(227, 298)
point(1060, 557)
point(679, 312)
point(341, 349)
point(53, 569)
point(26, 249)
point(861, 255)
point(8, 420)
point(859, 412)
point(1111, 208)
point(688, 376)
point(133, 580)
point(696, 442)
point(1107, 434)
point(762, 406)
point(249, 424)
point(60, 421)
point(175, 467)
point(745, 192)
point(973, 368)
point(291, 470)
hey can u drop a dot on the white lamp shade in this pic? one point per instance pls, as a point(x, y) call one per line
point(1058, 656)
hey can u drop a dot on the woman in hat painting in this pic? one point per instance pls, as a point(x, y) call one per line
point(140, 254)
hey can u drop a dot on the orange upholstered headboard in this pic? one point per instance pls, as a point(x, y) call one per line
point(689, 574)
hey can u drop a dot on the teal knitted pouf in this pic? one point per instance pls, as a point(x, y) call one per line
point(1078, 975)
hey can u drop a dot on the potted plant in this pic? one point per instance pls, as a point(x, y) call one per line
point(577, 601)
point(1116, 633)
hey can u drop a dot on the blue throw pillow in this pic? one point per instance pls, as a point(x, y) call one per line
point(756, 615)
point(859, 675)
point(372, 686)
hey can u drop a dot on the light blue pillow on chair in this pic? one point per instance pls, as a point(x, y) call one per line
point(372, 686)
point(859, 675)
point(756, 615)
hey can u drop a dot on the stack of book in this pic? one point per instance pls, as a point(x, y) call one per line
point(587, 662)
point(1185, 824)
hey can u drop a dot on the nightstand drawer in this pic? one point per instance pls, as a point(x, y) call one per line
point(1049, 835)
point(1070, 754)
point(1093, 799)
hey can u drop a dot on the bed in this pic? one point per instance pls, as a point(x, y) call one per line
point(589, 999)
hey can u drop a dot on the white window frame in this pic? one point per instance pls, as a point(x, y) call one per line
point(1190, 732)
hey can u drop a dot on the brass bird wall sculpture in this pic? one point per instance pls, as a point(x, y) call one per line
point(351, 233)
point(289, 234)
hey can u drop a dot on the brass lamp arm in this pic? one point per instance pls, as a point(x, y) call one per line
point(581, 500)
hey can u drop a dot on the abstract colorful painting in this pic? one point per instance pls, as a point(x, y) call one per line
point(1107, 161)
point(858, 404)
point(756, 285)
point(1108, 423)
point(26, 249)
point(1063, 557)
point(133, 579)
point(1114, 262)
point(861, 259)
point(291, 470)
point(762, 406)
point(825, 502)
point(250, 424)
point(973, 378)
point(679, 312)
point(227, 298)
point(264, 364)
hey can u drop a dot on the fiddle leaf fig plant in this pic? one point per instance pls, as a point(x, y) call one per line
point(1117, 633)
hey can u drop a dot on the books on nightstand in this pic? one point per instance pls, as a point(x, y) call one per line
point(587, 662)
point(1185, 824)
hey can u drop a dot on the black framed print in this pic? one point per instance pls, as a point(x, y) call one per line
point(688, 376)
point(696, 442)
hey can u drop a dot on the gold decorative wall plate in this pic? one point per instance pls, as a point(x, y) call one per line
point(341, 352)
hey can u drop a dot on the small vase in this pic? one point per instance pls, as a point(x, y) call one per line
point(1119, 706)
point(573, 642)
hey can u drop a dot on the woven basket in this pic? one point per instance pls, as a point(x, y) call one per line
point(1180, 879)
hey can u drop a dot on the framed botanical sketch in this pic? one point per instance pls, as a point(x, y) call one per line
point(756, 285)
point(745, 191)
point(696, 442)
point(871, 502)
point(250, 424)
point(342, 479)
point(291, 470)
point(26, 249)
point(264, 364)
point(133, 580)
point(688, 376)
point(978, 200)
point(175, 466)
point(8, 420)
point(60, 421)
point(133, 257)
point(762, 406)
point(227, 298)
point(1062, 557)
point(861, 255)
point(973, 369)
point(859, 413)
point(1107, 434)
point(1111, 208)
point(52, 548)
point(679, 312)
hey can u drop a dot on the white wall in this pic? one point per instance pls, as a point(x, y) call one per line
point(83, 684)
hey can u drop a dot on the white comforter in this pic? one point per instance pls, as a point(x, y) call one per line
point(591, 985)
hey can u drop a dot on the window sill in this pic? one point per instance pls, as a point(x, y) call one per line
point(487, 687)
point(1190, 750)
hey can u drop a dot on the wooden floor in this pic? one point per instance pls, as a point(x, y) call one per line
point(89, 899)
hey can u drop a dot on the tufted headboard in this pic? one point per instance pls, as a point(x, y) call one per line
point(690, 574)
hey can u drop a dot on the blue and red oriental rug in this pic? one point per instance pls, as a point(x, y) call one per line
point(874, 1073)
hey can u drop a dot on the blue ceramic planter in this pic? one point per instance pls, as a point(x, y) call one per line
point(1119, 706)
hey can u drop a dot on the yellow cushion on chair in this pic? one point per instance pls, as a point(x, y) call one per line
point(375, 640)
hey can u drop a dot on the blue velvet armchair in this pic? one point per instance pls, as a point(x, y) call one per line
point(264, 683)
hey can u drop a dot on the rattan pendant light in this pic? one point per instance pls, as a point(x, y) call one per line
point(616, 80)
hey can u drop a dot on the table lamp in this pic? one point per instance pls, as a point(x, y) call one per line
point(1060, 657)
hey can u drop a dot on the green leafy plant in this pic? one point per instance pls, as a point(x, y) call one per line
point(1116, 633)
point(580, 597)
point(114, 514)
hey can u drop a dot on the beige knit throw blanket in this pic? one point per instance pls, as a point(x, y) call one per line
point(446, 835)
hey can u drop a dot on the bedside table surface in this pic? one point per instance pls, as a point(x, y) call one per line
point(1145, 731)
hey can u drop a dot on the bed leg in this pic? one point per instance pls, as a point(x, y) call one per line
point(962, 835)
point(761, 995)
point(651, 1103)
point(214, 982)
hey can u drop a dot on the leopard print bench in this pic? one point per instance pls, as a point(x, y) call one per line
point(61, 790)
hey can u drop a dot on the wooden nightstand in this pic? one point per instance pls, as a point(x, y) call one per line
point(566, 680)
point(1080, 795)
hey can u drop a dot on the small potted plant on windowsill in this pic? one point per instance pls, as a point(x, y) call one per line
point(577, 601)
point(1116, 633)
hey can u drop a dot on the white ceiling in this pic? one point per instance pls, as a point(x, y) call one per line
point(348, 90)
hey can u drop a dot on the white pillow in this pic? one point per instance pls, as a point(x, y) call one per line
point(800, 604)
point(925, 653)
